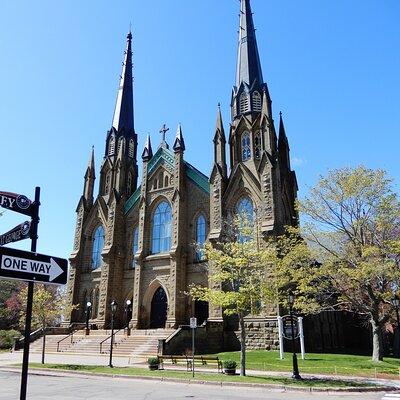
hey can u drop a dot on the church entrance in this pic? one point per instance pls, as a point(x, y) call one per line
point(200, 311)
point(159, 306)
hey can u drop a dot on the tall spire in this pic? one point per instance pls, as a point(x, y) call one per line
point(248, 64)
point(179, 144)
point(147, 151)
point(90, 177)
point(123, 114)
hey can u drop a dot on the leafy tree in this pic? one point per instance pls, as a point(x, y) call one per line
point(245, 271)
point(8, 319)
point(49, 305)
point(352, 221)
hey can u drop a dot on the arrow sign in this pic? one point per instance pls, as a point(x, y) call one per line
point(20, 232)
point(17, 202)
point(27, 266)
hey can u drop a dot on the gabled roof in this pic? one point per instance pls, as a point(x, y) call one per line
point(164, 155)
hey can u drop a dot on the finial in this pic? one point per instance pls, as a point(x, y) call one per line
point(219, 105)
point(164, 129)
point(129, 35)
point(280, 114)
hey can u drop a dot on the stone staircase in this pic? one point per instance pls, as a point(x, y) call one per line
point(141, 343)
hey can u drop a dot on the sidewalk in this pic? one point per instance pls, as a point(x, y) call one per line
point(9, 359)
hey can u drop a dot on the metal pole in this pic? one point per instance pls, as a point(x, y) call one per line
point(398, 332)
point(280, 332)
point(193, 332)
point(29, 300)
point(112, 339)
point(301, 330)
point(296, 374)
point(44, 345)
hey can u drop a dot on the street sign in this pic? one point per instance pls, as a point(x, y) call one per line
point(287, 327)
point(17, 202)
point(193, 323)
point(20, 232)
point(27, 266)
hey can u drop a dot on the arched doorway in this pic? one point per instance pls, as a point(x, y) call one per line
point(200, 311)
point(159, 305)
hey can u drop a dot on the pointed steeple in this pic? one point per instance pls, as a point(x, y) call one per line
point(179, 144)
point(282, 132)
point(123, 114)
point(90, 177)
point(283, 144)
point(147, 151)
point(248, 63)
point(220, 143)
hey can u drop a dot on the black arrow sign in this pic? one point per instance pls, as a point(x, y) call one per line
point(17, 202)
point(27, 266)
point(20, 232)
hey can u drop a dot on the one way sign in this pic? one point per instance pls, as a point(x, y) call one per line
point(27, 266)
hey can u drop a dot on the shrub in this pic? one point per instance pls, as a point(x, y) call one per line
point(7, 338)
point(230, 364)
point(153, 361)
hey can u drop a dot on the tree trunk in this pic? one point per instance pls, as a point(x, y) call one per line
point(377, 348)
point(242, 345)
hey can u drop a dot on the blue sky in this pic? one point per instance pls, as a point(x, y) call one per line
point(332, 68)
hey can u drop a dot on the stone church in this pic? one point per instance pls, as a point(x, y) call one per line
point(136, 239)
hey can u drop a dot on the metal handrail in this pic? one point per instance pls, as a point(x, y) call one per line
point(71, 335)
point(109, 337)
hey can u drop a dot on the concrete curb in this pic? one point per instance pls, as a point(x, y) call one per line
point(275, 387)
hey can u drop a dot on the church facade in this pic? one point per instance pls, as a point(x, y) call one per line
point(141, 243)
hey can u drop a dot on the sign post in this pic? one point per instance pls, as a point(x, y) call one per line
point(28, 318)
point(193, 326)
point(280, 333)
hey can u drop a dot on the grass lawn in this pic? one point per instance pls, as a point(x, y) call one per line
point(340, 364)
point(143, 372)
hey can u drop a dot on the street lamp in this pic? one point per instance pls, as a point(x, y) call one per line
point(296, 374)
point(113, 306)
point(128, 310)
point(396, 303)
point(88, 313)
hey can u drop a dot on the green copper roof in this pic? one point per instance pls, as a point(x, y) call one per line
point(197, 177)
point(167, 156)
point(162, 154)
point(132, 200)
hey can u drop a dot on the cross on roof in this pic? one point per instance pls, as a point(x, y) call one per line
point(163, 131)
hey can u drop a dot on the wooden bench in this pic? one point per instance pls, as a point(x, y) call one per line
point(203, 360)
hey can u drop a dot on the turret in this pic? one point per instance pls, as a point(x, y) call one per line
point(90, 177)
point(220, 144)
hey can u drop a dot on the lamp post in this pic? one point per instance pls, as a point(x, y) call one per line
point(113, 306)
point(128, 310)
point(396, 303)
point(296, 374)
point(88, 312)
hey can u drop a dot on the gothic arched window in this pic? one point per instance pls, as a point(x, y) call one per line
point(257, 145)
point(161, 230)
point(201, 235)
point(245, 212)
point(244, 103)
point(256, 99)
point(246, 146)
point(129, 184)
point(131, 149)
point(107, 183)
point(98, 244)
point(135, 244)
point(111, 146)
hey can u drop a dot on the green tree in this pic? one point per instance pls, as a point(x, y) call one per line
point(352, 221)
point(49, 305)
point(8, 318)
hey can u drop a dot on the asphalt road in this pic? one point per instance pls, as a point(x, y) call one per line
point(104, 388)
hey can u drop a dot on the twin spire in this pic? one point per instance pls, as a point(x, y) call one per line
point(123, 114)
point(248, 62)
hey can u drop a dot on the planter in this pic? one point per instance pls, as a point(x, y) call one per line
point(153, 367)
point(230, 371)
